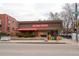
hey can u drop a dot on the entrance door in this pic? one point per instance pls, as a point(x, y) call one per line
point(55, 33)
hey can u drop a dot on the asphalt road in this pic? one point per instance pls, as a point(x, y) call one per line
point(20, 49)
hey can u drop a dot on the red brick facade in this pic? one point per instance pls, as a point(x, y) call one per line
point(8, 24)
point(40, 25)
point(39, 28)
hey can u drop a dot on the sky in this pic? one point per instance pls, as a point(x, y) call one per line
point(32, 10)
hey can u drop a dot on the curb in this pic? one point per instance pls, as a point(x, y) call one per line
point(34, 42)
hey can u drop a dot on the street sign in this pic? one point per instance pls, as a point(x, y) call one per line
point(77, 24)
point(75, 13)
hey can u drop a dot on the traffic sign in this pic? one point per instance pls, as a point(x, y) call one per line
point(75, 13)
point(77, 24)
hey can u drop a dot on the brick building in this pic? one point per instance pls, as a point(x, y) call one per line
point(8, 24)
point(40, 28)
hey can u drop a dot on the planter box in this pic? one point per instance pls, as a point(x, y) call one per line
point(5, 38)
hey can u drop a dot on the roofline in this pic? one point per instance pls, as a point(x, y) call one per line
point(39, 21)
point(9, 16)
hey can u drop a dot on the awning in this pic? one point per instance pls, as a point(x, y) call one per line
point(31, 29)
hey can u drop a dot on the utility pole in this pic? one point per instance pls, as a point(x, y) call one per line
point(76, 15)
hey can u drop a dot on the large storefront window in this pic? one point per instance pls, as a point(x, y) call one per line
point(27, 33)
point(43, 33)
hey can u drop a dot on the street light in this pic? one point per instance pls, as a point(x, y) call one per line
point(76, 15)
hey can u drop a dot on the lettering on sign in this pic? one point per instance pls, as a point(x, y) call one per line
point(40, 25)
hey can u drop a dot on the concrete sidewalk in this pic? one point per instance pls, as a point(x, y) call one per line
point(65, 41)
point(38, 40)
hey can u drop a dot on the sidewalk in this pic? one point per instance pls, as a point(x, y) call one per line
point(65, 41)
point(38, 40)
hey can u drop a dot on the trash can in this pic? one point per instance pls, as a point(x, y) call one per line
point(53, 38)
point(62, 38)
point(49, 37)
point(58, 37)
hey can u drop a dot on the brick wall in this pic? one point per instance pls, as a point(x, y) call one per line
point(8, 23)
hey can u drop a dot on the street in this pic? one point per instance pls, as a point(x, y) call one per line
point(21, 49)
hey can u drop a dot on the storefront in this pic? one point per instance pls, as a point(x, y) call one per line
point(40, 28)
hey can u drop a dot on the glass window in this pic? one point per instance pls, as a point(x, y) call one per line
point(8, 28)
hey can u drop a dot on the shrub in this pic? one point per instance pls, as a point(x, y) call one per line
point(3, 34)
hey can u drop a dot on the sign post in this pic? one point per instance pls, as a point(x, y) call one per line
point(76, 25)
point(76, 15)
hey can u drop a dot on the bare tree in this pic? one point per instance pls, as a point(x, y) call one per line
point(67, 16)
point(53, 16)
point(56, 16)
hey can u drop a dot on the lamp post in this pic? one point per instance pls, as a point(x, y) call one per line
point(76, 15)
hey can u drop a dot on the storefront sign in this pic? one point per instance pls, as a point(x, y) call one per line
point(40, 25)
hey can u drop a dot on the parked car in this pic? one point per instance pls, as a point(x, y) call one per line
point(68, 36)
